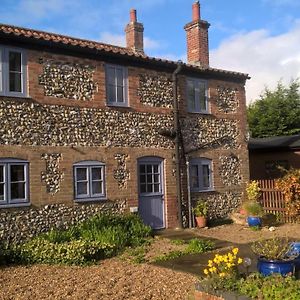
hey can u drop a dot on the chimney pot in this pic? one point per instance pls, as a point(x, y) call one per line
point(196, 11)
point(133, 17)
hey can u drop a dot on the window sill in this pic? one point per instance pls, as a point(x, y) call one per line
point(16, 96)
point(117, 105)
point(200, 112)
point(15, 205)
point(85, 200)
point(203, 191)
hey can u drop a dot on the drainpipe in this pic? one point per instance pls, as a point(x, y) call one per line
point(177, 149)
point(189, 191)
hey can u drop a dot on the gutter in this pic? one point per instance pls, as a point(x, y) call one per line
point(177, 146)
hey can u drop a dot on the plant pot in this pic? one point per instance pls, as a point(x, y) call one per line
point(201, 222)
point(267, 267)
point(254, 221)
point(295, 248)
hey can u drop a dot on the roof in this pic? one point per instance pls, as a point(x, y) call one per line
point(291, 142)
point(37, 35)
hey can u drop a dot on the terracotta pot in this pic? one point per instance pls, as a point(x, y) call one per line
point(201, 222)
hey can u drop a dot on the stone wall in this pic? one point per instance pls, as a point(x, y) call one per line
point(20, 225)
point(227, 100)
point(220, 205)
point(31, 124)
point(156, 90)
point(70, 81)
point(230, 170)
point(203, 133)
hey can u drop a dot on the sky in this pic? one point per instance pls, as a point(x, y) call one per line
point(258, 37)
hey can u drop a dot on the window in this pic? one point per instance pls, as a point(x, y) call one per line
point(13, 182)
point(201, 174)
point(12, 72)
point(89, 180)
point(197, 95)
point(116, 85)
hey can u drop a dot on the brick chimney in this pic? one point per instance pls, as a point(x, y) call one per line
point(197, 39)
point(135, 34)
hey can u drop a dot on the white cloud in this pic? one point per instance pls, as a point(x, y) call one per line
point(119, 40)
point(266, 58)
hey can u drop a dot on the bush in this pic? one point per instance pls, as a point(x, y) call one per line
point(99, 237)
point(274, 287)
point(199, 246)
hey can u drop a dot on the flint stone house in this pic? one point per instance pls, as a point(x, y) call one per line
point(88, 127)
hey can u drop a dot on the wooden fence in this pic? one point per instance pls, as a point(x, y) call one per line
point(272, 201)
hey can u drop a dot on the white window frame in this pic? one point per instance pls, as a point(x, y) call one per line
point(4, 73)
point(89, 166)
point(196, 82)
point(114, 102)
point(6, 164)
point(200, 162)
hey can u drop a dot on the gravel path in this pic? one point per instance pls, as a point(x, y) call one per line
point(112, 279)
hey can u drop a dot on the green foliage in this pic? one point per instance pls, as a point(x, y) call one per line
point(272, 249)
point(200, 210)
point(178, 242)
point(194, 246)
point(253, 208)
point(274, 287)
point(136, 255)
point(276, 112)
point(99, 237)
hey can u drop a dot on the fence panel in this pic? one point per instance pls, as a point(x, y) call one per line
point(272, 200)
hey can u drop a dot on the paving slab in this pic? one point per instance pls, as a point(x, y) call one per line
point(196, 263)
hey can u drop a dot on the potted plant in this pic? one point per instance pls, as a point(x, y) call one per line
point(252, 207)
point(274, 256)
point(200, 211)
point(254, 212)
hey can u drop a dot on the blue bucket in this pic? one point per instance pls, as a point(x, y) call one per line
point(254, 221)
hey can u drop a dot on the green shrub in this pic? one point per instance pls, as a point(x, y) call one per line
point(77, 252)
point(199, 246)
point(274, 287)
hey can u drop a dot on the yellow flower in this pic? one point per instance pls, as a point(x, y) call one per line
point(210, 263)
point(235, 251)
point(240, 260)
point(229, 265)
point(205, 271)
point(222, 274)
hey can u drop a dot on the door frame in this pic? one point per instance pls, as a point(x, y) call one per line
point(160, 160)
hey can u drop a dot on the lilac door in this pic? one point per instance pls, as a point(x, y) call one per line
point(151, 195)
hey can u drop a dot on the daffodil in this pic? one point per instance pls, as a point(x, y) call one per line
point(240, 260)
point(205, 271)
point(235, 251)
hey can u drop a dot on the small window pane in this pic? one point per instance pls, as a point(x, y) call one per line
point(194, 176)
point(81, 174)
point(155, 168)
point(156, 178)
point(191, 95)
point(111, 76)
point(120, 94)
point(149, 178)
point(1, 191)
point(142, 178)
point(96, 173)
point(156, 188)
point(149, 188)
point(97, 187)
point(17, 190)
point(111, 93)
point(15, 59)
point(143, 188)
point(202, 96)
point(15, 82)
point(82, 188)
point(205, 170)
point(142, 168)
point(1, 173)
point(149, 169)
point(17, 173)
point(120, 77)
point(1, 78)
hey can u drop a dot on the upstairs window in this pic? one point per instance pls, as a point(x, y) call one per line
point(89, 180)
point(116, 85)
point(201, 174)
point(197, 95)
point(14, 182)
point(12, 72)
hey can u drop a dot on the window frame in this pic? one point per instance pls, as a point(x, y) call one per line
point(4, 73)
point(200, 162)
point(197, 103)
point(89, 166)
point(7, 201)
point(125, 85)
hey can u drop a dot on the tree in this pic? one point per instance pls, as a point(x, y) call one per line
point(276, 112)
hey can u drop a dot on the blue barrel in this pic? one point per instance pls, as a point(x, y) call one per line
point(268, 267)
point(254, 221)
